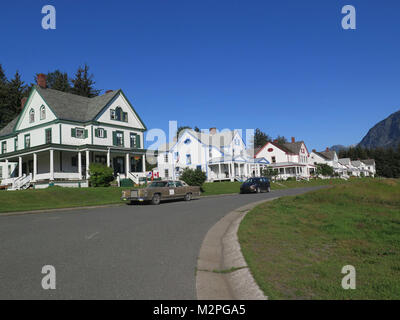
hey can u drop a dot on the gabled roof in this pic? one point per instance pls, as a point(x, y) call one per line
point(279, 146)
point(356, 163)
point(369, 162)
point(321, 155)
point(345, 161)
point(294, 147)
point(68, 106)
point(218, 140)
point(9, 128)
point(330, 155)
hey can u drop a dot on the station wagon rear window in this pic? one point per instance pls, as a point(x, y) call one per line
point(158, 184)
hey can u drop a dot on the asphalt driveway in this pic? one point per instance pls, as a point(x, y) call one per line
point(126, 252)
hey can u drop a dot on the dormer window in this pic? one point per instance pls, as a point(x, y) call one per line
point(31, 116)
point(42, 113)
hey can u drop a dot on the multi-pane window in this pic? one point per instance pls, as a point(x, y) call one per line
point(118, 138)
point(16, 144)
point(188, 159)
point(48, 135)
point(31, 116)
point(79, 133)
point(42, 113)
point(273, 159)
point(133, 138)
point(100, 133)
point(27, 140)
point(166, 158)
point(118, 114)
point(4, 147)
point(166, 173)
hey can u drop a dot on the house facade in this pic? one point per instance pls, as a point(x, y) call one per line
point(288, 159)
point(221, 155)
point(57, 135)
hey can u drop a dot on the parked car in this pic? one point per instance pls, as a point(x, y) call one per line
point(255, 185)
point(162, 190)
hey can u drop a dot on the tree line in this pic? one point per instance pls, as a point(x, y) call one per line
point(387, 160)
point(14, 89)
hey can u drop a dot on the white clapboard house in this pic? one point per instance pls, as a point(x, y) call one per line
point(57, 135)
point(221, 155)
point(289, 160)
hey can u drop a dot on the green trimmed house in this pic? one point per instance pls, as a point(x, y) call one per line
point(57, 135)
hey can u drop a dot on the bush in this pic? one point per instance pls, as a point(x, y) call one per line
point(100, 175)
point(193, 177)
point(324, 170)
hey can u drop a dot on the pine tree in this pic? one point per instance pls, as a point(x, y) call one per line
point(260, 138)
point(3, 96)
point(83, 83)
point(16, 91)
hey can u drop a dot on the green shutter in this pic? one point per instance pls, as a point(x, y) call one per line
point(73, 132)
point(86, 134)
point(105, 133)
point(137, 141)
point(114, 138)
point(96, 133)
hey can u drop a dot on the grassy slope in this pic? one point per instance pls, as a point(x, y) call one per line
point(57, 197)
point(297, 246)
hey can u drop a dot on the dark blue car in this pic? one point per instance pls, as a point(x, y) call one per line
point(255, 185)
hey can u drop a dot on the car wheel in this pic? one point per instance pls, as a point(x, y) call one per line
point(188, 196)
point(156, 199)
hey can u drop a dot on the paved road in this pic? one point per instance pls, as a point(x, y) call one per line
point(127, 252)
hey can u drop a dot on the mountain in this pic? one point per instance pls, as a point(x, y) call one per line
point(384, 134)
point(338, 147)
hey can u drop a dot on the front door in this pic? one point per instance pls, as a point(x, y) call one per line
point(119, 166)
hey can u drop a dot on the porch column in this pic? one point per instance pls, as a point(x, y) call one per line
point(229, 170)
point(240, 171)
point(108, 157)
point(144, 162)
point(87, 164)
point(34, 166)
point(258, 170)
point(51, 164)
point(127, 165)
point(7, 173)
point(19, 166)
point(219, 170)
point(79, 165)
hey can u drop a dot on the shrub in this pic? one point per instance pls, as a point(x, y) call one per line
point(193, 177)
point(324, 169)
point(100, 175)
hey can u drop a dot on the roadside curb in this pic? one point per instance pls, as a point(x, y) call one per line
point(222, 272)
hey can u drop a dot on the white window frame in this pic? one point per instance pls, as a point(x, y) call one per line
point(31, 116)
point(80, 136)
point(42, 112)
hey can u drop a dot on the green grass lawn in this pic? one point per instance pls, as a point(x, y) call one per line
point(296, 246)
point(57, 197)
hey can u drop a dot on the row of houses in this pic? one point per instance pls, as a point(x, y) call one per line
point(57, 135)
point(224, 156)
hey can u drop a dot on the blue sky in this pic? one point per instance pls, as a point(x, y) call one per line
point(286, 67)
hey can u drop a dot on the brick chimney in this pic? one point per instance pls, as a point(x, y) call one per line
point(293, 140)
point(41, 80)
point(327, 149)
point(213, 131)
point(108, 91)
point(313, 150)
point(275, 141)
point(23, 101)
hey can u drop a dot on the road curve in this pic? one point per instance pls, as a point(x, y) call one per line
point(126, 252)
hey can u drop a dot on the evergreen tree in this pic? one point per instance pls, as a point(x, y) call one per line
point(260, 138)
point(83, 83)
point(16, 90)
point(57, 80)
point(3, 96)
point(281, 140)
